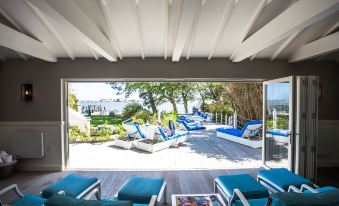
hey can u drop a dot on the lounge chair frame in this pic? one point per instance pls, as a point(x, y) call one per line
point(94, 187)
point(95, 192)
point(219, 188)
point(273, 188)
point(161, 198)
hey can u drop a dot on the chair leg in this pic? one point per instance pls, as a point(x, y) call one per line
point(214, 187)
point(165, 195)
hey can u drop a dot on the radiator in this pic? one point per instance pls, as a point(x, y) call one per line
point(27, 144)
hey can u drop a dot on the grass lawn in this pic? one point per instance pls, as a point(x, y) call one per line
point(99, 120)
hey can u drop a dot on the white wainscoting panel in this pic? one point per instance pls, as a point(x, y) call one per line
point(53, 159)
point(328, 143)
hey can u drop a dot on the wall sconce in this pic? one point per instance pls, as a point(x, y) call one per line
point(26, 92)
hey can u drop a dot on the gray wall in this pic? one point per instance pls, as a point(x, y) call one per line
point(46, 77)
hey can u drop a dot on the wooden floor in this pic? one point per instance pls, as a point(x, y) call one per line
point(178, 182)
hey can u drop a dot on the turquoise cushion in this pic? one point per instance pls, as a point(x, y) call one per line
point(329, 198)
point(323, 189)
point(62, 200)
point(140, 189)
point(72, 185)
point(137, 204)
point(248, 186)
point(252, 202)
point(282, 178)
point(29, 200)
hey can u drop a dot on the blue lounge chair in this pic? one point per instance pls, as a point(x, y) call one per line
point(141, 190)
point(250, 188)
point(281, 179)
point(242, 136)
point(193, 126)
point(71, 185)
point(288, 198)
point(182, 119)
point(133, 131)
point(178, 136)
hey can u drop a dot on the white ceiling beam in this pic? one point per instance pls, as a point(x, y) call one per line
point(104, 4)
point(68, 13)
point(285, 44)
point(253, 57)
point(167, 3)
point(194, 29)
point(224, 21)
point(17, 26)
point(188, 11)
point(94, 54)
point(256, 12)
point(42, 17)
point(135, 7)
point(330, 30)
point(20, 42)
point(321, 46)
point(297, 17)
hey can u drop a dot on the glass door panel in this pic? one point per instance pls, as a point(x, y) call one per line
point(278, 117)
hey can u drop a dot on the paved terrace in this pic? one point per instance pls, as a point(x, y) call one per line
point(203, 150)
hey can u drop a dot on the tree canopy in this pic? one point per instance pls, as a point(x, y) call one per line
point(225, 97)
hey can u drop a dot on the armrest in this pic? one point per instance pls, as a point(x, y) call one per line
point(93, 193)
point(153, 201)
point(12, 187)
point(307, 187)
point(237, 193)
point(162, 193)
point(294, 189)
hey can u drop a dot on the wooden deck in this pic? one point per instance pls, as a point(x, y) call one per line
point(203, 150)
point(178, 182)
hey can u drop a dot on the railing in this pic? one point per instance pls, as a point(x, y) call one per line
point(223, 118)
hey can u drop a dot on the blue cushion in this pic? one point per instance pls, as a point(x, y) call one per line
point(301, 199)
point(252, 202)
point(276, 133)
point(29, 200)
point(180, 134)
point(282, 178)
point(140, 189)
point(245, 183)
point(234, 132)
point(72, 185)
point(323, 189)
point(197, 127)
point(62, 200)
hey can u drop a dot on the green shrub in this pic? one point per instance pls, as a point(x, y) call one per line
point(165, 117)
point(121, 131)
point(142, 114)
point(131, 109)
point(76, 135)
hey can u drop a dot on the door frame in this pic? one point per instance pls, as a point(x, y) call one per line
point(292, 117)
point(64, 97)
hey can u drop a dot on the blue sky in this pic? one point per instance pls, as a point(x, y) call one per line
point(278, 91)
point(96, 91)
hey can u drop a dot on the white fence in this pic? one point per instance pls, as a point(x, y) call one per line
point(230, 120)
